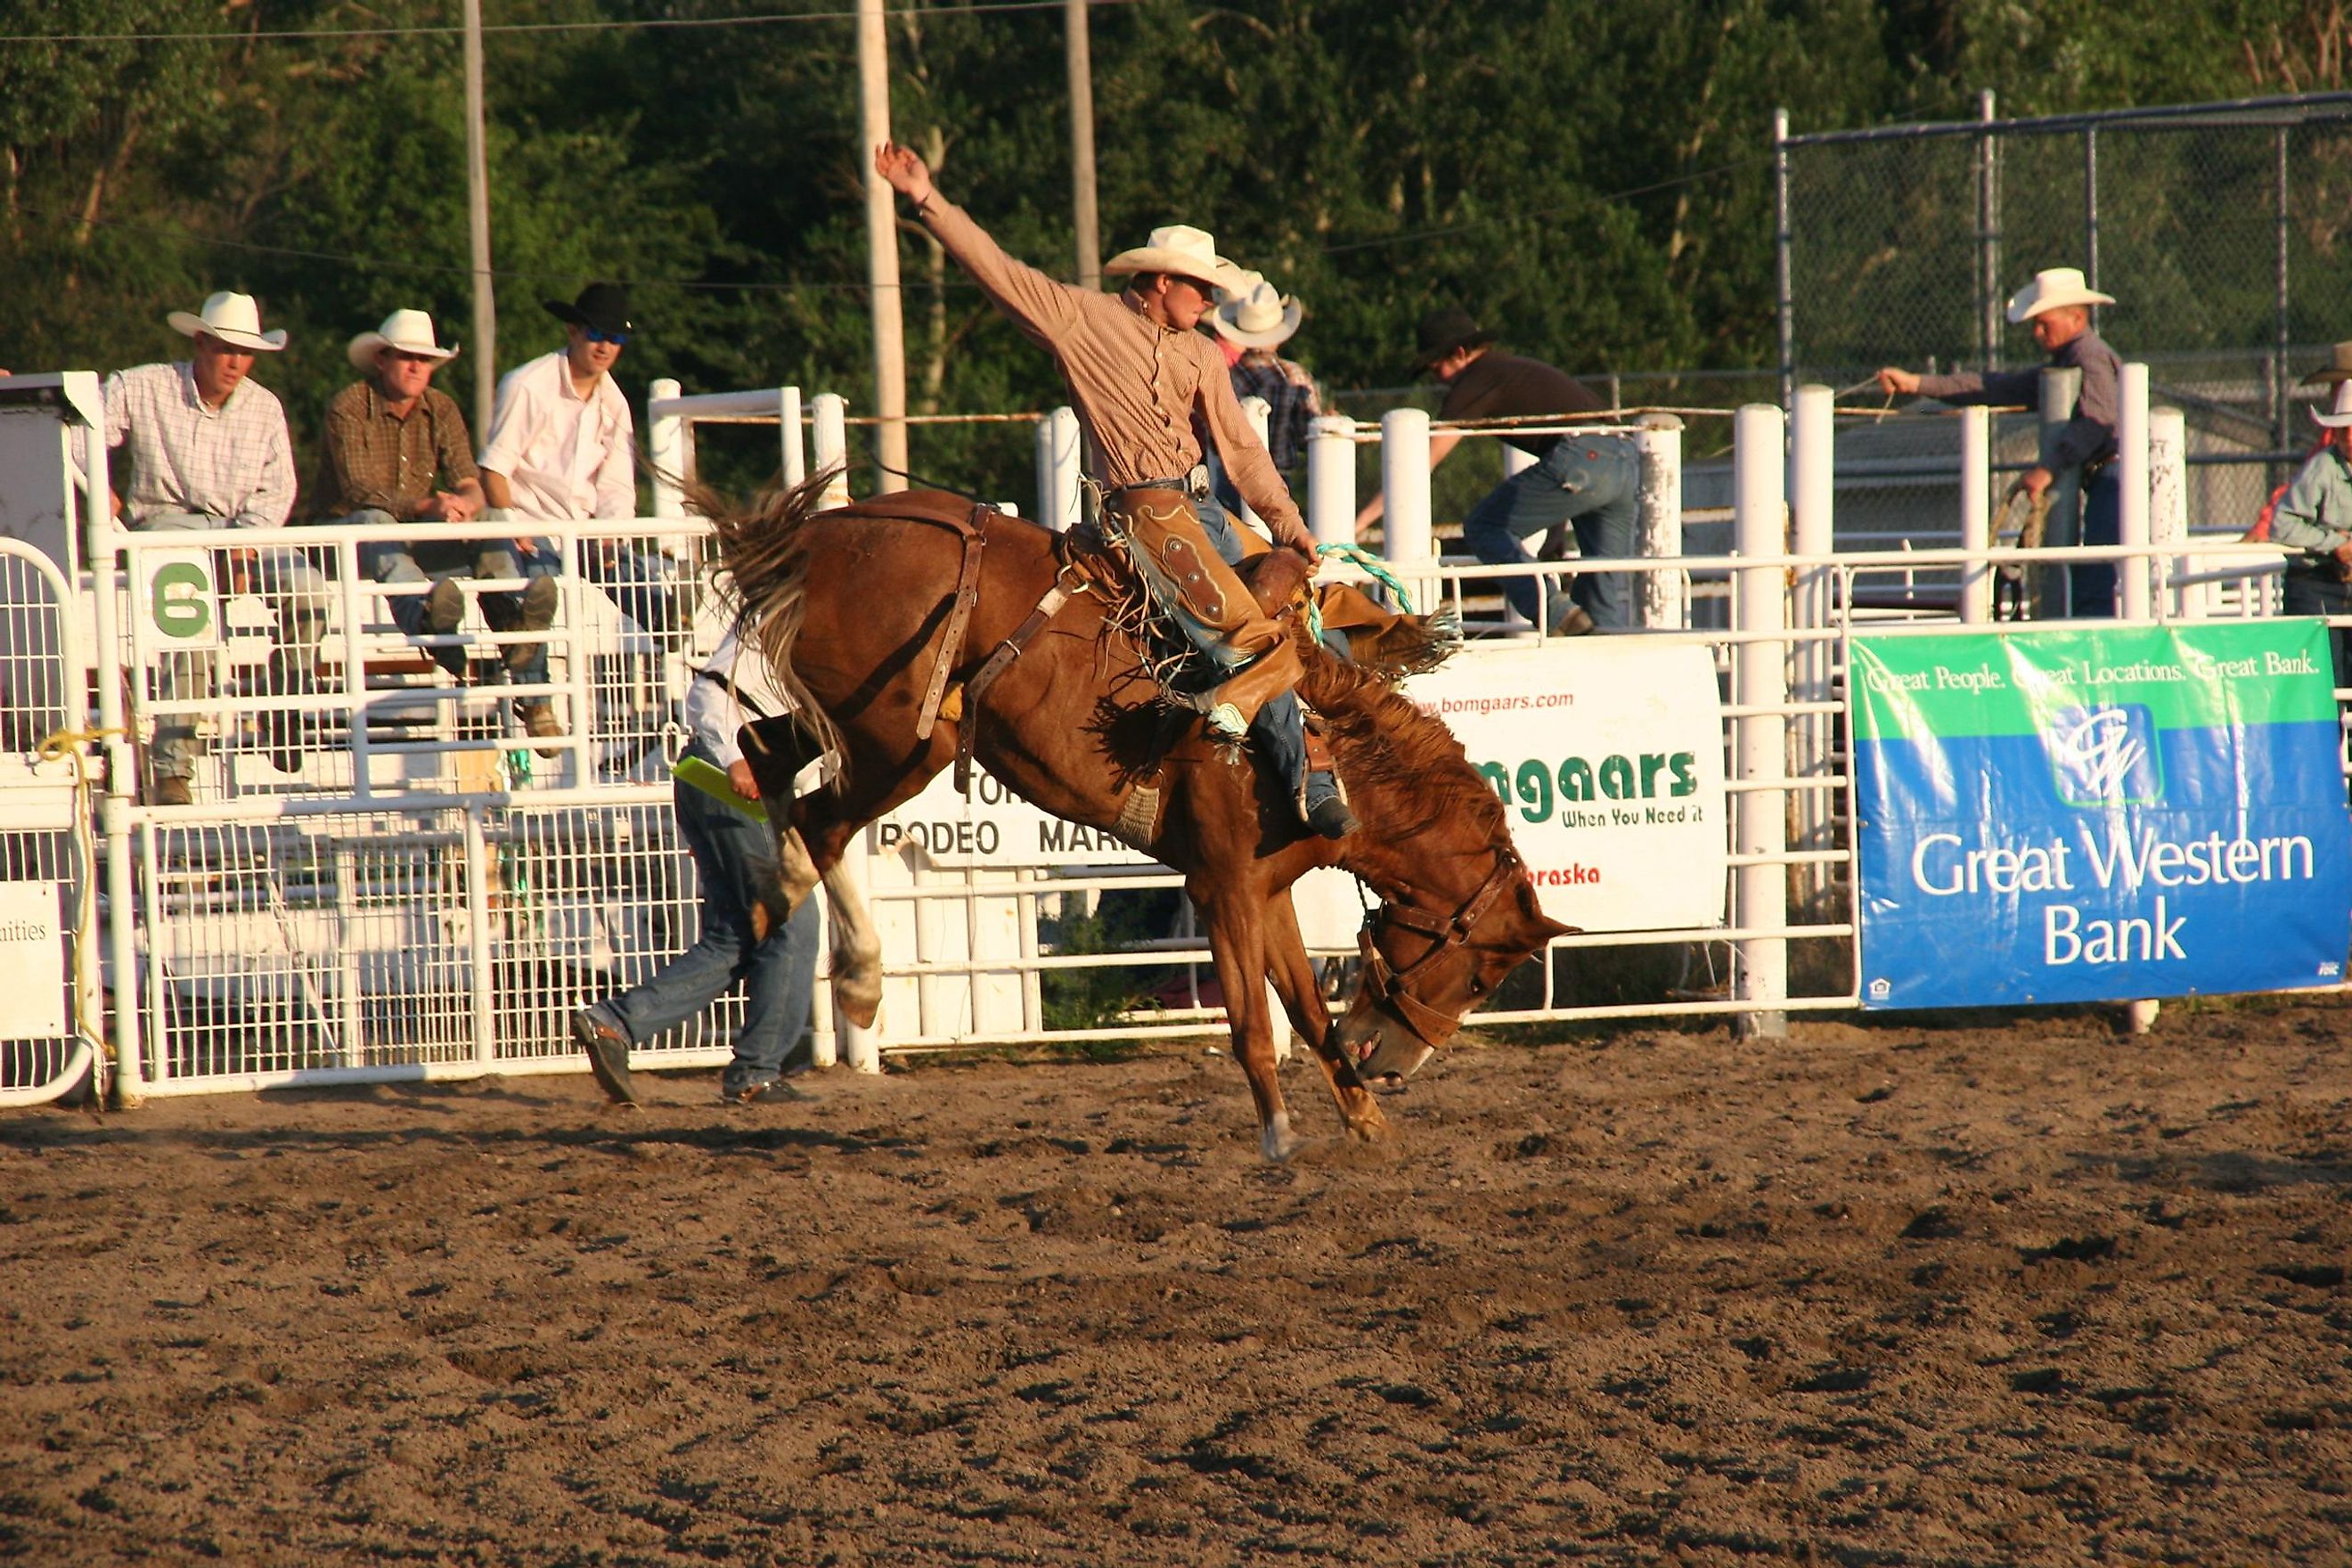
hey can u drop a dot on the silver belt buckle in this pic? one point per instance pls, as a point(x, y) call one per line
point(1196, 483)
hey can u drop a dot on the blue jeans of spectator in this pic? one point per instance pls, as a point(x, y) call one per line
point(636, 580)
point(297, 594)
point(732, 854)
point(1594, 484)
point(2091, 588)
point(1279, 728)
point(403, 560)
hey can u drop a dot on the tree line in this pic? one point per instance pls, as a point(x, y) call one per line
point(1591, 177)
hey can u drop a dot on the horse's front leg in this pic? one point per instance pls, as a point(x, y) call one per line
point(1237, 941)
point(1292, 970)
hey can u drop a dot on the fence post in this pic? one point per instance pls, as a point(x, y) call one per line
point(1255, 412)
point(2132, 469)
point(104, 554)
point(792, 451)
point(477, 852)
point(1989, 232)
point(1404, 485)
point(1057, 470)
point(1658, 521)
point(1332, 480)
point(831, 438)
point(2168, 499)
point(1812, 470)
point(666, 450)
point(1760, 746)
point(1976, 514)
point(1784, 309)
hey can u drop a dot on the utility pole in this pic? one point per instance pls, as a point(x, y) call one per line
point(1081, 142)
point(477, 215)
point(882, 250)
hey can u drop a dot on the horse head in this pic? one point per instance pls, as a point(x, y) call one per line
point(1425, 968)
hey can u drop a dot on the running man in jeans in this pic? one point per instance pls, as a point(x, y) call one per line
point(734, 857)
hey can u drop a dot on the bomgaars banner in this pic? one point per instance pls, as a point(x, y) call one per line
point(1608, 756)
point(2079, 816)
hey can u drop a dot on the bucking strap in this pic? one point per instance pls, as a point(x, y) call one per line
point(967, 594)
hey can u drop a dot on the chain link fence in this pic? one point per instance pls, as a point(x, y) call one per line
point(2224, 230)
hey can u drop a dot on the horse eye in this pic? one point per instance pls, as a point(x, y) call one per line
point(1477, 986)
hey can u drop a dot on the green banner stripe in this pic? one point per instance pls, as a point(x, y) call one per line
point(2212, 676)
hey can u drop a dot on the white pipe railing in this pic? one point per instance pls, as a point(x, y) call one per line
point(1058, 470)
point(1255, 412)
point(1975, 513)
point(1759, 742)
point(2133, 601)
point(1332, 480)
point(829, 435)
point(1658, 525)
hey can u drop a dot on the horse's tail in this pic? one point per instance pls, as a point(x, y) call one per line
point(763, 554)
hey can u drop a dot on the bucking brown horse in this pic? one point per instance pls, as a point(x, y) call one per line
point(900, 624)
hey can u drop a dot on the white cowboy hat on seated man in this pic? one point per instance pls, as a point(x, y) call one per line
point(408, 331)
point(1187, 252)
point(2052, 288)
point(232, 318)
point(1259, 317)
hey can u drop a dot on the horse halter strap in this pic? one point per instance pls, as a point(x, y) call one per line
point(1444, 931)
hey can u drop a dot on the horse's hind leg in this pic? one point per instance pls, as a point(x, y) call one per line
point(1292, 970)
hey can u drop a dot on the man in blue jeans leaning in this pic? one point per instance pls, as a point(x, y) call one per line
point(734, 857)
point(1590, 483)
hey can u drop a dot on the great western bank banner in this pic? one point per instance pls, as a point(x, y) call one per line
point(2075, 815)
point(1608, 756)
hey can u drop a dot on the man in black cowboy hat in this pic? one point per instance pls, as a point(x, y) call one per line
point(560, 449)
point(1588, 483)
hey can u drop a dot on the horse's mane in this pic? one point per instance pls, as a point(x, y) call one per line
point(764, 579)
point(1383, 739)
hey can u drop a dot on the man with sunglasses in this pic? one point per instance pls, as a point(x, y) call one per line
point(1153, 396)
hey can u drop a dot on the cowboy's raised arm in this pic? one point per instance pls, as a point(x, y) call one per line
point(1044, 308)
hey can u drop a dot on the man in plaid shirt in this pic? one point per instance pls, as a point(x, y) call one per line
point(209, 450)
point(1249, 328)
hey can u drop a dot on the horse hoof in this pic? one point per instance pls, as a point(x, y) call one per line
point(857, 1000)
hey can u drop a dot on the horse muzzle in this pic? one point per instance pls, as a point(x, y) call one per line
point(1383, 1050)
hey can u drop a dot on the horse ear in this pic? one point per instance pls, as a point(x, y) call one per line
point(1553, 930)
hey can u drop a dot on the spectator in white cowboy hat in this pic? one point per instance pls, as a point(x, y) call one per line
point(2313, 519)
point(397, 451)
point(560, 448)
point(209, 450)
point(1153, 399)
point(2058, 304)
point(1249, 326)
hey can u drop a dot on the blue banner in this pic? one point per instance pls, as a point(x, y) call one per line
point(2099, 814)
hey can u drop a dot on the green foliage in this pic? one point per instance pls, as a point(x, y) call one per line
point(1588, 177)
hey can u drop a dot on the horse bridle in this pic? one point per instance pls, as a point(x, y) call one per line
point(1387, 985)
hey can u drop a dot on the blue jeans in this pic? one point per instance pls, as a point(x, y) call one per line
point(400, 561)
point(729, 851)
point(1279, 728)
point(1592, 482)
point(2091, 589)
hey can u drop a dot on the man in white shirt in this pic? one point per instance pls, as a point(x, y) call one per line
point(209, 450)
point(560, 446)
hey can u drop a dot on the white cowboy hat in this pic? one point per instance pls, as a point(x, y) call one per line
point(2340, 415)
point(1258, 317)
point(234, 319)
point(410, 331)
point(2050, 289)
point(1187, 252)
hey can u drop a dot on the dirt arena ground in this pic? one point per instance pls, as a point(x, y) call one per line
point(1918, 1294)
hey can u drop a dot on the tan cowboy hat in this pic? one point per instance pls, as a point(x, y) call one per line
point(2050, 289)
point(232, 318)
point(1259, 317)
point(410, 331)
point(2340, 414)
point(1187, 252)
point(2336, 372)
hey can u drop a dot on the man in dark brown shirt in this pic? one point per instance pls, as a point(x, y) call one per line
point(397, 451)
point(1588, 482)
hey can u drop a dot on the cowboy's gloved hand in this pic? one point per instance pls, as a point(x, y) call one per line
point(2035, 481)
point(1314, 562)
point(1893, 380)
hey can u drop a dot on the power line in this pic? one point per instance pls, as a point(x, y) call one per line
point(986, 7)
